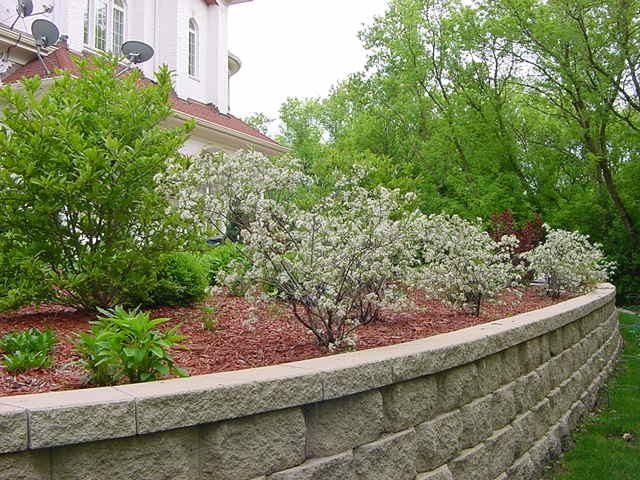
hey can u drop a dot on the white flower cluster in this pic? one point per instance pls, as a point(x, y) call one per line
point(223, 190)
point(568, 261)
point(461, 263)
point(336, 264)
point(353, 253)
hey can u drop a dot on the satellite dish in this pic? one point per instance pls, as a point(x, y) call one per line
point(45, 32)
point(137, 52)
point(24, 8)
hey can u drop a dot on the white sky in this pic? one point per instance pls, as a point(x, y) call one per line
point(294, 48)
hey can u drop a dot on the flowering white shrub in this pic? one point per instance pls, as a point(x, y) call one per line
point(222, 190)
point(336, 264)
point(463, 265)
point(568, 261)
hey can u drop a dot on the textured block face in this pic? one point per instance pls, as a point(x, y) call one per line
point(457, 387)
point(391, 458)
point(438, 440)
point(328, 468)
point(338, 425)
point(442, 473)
point(409, 403)
point(64, 418)
point(164, 456)
point(25, 466)
point(472, 464)
point(252, 446)
point(13, 429)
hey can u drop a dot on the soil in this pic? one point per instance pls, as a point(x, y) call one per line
point(245, 337)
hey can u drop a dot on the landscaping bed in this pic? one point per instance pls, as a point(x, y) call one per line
point(244, 337)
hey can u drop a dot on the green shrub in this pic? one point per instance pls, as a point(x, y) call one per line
point(86, 202)
point(28, 349)
point(183, 279)
point(223, 258)
point(23, 361)
point(128, 344)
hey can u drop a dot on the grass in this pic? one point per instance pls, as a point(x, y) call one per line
point(600, 452)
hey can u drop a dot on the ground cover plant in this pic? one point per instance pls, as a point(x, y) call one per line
point(128, 344)
point(607, 445)
point(24, 350)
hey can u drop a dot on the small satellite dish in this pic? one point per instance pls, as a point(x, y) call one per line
point(24, 8)
point(137, 52)
point(45, 32)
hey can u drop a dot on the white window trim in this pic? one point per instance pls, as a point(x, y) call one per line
point(91, 37)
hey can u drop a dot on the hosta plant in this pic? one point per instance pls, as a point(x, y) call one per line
point(27, 349)
point(462, 264)
point(128, 344)
point(568, 261)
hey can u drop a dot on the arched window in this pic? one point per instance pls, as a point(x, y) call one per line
point(194, 48)
point(105, 24)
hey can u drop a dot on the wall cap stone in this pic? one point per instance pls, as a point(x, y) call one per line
point(176, 403)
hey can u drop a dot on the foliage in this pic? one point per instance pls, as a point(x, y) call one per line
point(260, 122)
point(223, 259)
point(79, 210)
point(209, 318)
point(182, 279)
point(27, 349)
point(22, 361)
point(529, 236)
point(463, 265)
point(568, 261)
point(128, 344)
point(484, 106)
point(336, 264)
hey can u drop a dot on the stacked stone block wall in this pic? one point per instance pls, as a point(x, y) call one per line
point(493, 402)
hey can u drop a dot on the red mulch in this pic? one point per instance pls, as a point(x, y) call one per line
point(242, 340)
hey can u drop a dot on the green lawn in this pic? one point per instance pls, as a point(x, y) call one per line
point(600, 452)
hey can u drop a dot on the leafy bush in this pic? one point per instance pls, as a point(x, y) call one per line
point(568, 261)
point(85, 201)
point(182, 280)
point(128, 344)
point(336, 265)
point(224, 258)
point(28, 349)
point(463, 265)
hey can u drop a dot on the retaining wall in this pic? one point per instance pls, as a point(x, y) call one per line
point(495, 401)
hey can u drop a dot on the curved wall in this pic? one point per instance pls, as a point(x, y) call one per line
point(495, 401)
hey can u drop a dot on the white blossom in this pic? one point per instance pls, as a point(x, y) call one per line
point(462, 264)
point(568, 262)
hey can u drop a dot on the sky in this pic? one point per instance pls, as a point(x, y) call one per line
point(294, 48)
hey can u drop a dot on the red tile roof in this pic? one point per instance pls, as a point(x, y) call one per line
point(61, 59)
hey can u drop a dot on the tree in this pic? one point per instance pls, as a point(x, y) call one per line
point(78, 166)
point(260, 122)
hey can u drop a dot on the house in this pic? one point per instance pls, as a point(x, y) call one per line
point(190, 36)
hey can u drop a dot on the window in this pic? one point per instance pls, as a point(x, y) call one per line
point(101, 25)
point(118, 25)
point(105, 24)
point(193, 48)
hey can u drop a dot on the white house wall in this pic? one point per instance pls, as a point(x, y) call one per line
point(164, 24)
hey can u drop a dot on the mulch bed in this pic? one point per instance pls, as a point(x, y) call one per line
point(244, 339)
